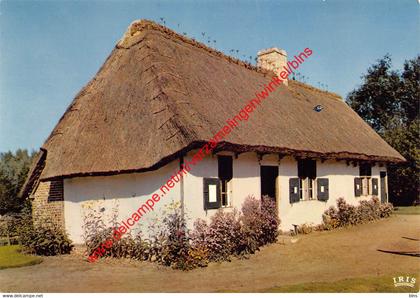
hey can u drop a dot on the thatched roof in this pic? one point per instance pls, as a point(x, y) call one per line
point(160, 94)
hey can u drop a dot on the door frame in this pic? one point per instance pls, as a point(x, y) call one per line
point(383, 175)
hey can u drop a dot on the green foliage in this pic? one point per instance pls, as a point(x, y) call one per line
point(389, 101)
point(46, 239)
point(171, 243)
point(375, 100)
point(176, 246)
point(346, 215)
point(14, 168)
point(404, 179)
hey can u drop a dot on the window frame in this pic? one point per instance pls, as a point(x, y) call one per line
point(307, 174)
point(225, 189)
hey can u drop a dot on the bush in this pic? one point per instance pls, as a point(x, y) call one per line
point(223, 236)
point(271, 221)
point(305, 228)
point(260, 223)
point(175, 247)
point(47, 240)
point(170, 243)
point(99, 236)
point(233, 234)
point(346, 214)
point(199, 250)
point(385, 210)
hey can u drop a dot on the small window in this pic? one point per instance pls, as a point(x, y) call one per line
point(225, 167)
point(318, 108)
point(365, 170)
point(307, 176)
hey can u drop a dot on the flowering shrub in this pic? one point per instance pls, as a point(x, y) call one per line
point(175, 247)
point(259, 223)
point(345, 214)
point(199, 250)
point(234, 234)
point(223, 235)
point(270, 221)
point(170, 243)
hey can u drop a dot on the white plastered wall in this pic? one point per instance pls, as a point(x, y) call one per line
point(341, 184)
point(245, 182)
point(127, 192)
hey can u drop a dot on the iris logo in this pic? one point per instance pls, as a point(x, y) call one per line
point(404, 281)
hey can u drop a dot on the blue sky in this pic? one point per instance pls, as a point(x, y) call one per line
point(50, 49)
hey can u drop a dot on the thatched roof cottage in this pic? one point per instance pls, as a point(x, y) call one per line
point(160, 96)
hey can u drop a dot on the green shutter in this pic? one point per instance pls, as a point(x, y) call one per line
point(293, 190)
point(206, 184)
point(323, 189)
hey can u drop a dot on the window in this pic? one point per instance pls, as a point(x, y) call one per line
point(225, 166)
point(365, 170)
point(307, 176)
point(365, 173)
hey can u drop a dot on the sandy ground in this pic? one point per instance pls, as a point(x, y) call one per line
point(325, 256)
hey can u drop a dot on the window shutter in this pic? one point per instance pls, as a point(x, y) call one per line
point(357, 187)
point(323, 189)
point(211, 193)
point(56, 191)
point(294, 190)
point(375, 186)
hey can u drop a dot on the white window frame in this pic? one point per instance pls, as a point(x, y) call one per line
point(228, 193)
point(366, 185)
point(304, 189)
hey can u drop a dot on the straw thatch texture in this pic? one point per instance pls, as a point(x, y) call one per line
point(160, 94)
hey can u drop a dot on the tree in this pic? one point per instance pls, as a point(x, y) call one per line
point(14, 168)
point(389, 101)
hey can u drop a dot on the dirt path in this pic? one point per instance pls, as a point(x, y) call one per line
point(324, 256)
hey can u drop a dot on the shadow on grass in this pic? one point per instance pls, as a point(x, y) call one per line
point(402, 253)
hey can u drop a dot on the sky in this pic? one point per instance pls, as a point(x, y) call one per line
point(49, 50)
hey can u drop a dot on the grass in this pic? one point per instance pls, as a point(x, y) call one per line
point(10, 257)
point(411, 210)
point(377, 284)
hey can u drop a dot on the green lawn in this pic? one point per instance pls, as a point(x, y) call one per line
point(11, 257)
point(380, 284)
point(411, 210)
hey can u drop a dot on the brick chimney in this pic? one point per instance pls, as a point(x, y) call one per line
point(273, 59)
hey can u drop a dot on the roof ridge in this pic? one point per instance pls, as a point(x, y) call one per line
point(138, 26)
point(312, 88)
